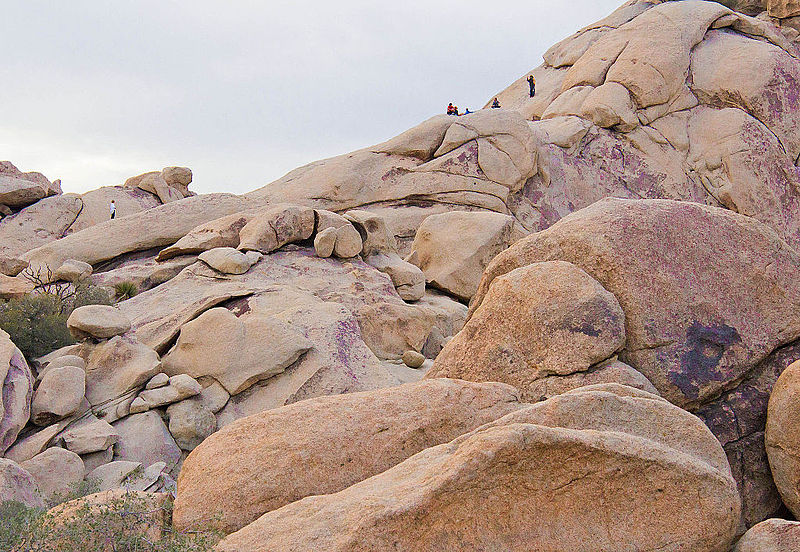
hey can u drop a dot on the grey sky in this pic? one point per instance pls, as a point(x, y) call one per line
point(244, 91)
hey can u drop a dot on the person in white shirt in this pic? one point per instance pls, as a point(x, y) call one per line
point(113, 209)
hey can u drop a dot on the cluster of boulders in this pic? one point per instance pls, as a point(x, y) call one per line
point(33, 210)
point(303, 361)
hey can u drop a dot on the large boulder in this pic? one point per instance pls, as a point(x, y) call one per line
point(700, 314)
point(18, 485)
point(16, 385)
point(453, 249)
point(544, 319)
point(782, 439)
point(18, 193)
point(237, 352)
point(157, 227)
point(115, 370)
point(660, 475)
point(266, 461)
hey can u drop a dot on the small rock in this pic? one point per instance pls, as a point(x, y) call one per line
point(159, 380)
point(325, 242)
point(97, 321)
point(190, 422)
point(348, 242)
point(93, 436)
point(181, 386)
point(413, 359)
point(226, 260)
point(214, 396)
point(72, 271)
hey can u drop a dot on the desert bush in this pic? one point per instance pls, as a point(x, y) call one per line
point(125, 290)
point(37, 322)
point(128, 523)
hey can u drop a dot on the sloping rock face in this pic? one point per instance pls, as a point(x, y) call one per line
point(710, 117)
point(524, 479)
point(701, 314)
point(266, 461)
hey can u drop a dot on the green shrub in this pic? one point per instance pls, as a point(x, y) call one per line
point(37, 322)
point(121, 525)
point(125, 290)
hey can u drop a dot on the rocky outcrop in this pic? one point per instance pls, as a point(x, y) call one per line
point(697, 311)
point(519, 479)
point(543, 319)
point(263, 462)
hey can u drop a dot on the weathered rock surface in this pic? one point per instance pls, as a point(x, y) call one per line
point(97, 321)
point(95, 205)
point(520, 479)
point(541, 320)
point(453, 249)
point(57, 472)
point(16, 392)
point(237, 352)
point(773, 535)
point(18, 485)
point(114, 369)
point(701, 315)
point(265, 461)
point(165, 225)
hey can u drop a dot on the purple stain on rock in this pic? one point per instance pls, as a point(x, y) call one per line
point(700, 363)
point(344, 335)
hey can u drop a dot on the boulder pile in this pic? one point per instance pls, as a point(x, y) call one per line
point(571, 323)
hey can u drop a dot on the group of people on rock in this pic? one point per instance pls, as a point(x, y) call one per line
point(453, 110)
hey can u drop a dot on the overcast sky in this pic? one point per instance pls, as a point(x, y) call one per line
point(242, 91)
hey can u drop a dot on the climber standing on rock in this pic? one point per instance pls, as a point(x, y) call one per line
point(532, 84)
point(112, 209)
point(495, 104)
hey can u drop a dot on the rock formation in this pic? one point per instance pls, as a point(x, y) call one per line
point(625, 239)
